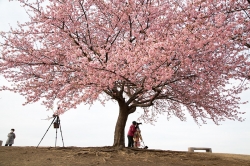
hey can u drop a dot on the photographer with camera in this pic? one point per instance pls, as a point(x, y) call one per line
point(131, 132)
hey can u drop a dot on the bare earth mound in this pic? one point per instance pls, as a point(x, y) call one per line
point(105, 156)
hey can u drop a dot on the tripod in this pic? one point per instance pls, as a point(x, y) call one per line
point(57, 124)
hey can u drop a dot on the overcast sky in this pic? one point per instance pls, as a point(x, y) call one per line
point(85, 126)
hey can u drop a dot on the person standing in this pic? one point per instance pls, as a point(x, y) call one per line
point(11, 137)
point(130, 134)
point(137, 137)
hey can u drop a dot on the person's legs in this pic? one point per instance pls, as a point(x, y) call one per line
point(130, 141)
point(137, 144)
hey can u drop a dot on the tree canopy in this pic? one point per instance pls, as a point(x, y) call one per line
point(165, 56)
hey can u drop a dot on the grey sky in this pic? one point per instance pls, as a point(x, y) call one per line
point(94, 126)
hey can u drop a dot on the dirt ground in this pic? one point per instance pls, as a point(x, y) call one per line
point(108, 156)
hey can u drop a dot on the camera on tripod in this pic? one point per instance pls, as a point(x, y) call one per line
point(137, 124)
point(56, 122)
point(57, 125)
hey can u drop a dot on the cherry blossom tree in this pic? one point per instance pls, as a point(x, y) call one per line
point(167, 57)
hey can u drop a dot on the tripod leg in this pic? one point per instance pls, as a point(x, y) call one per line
point(56, 137)
point(61, 132)
point(46, 131)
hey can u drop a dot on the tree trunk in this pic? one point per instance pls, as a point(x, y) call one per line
point(119, 137)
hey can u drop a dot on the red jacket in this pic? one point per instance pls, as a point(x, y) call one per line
point(131, 130)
